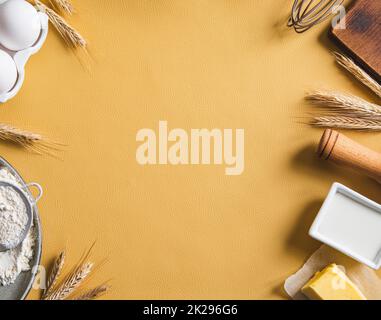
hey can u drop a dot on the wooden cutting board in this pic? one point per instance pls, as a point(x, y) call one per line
point(362, 36)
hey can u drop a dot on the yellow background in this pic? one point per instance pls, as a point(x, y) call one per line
point(186, 231)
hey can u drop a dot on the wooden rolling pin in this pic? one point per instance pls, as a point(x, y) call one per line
point(341, 150)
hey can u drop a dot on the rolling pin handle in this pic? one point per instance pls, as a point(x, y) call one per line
point(327, 143)
point(341, 150)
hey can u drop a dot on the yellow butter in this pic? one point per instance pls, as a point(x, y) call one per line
point(332, 284)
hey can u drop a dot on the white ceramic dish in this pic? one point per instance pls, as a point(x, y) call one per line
point(350, 223)
point(21, 58)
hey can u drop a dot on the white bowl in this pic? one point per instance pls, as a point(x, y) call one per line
point(350, 223)
point(21, 58)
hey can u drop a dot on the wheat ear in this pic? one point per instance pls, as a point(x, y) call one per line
point(358, 72)
point(63, 5)
point(31, 141)
point(73, 281)
point(54, 274)
point(71, 36)
point(344, 104)
point(346, 123)
point(93, 293)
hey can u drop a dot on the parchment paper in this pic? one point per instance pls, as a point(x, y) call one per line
point(364, 277)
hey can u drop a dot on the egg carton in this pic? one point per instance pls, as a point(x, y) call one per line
point(22, 57)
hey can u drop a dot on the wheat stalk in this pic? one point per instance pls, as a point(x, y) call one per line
point(71, 36)
point(358, 72)
point(346, 123)
point(93, 293)
point(63, 5)
point(31, 141)
point(74, 279)
point(344, 104)
point(72, 282)
point(54, 274)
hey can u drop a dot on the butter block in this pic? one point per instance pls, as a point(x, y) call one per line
point(332, 284)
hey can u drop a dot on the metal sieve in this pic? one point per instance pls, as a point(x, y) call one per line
point(29, 203)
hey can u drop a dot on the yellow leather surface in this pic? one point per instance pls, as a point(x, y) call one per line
point(185, 231)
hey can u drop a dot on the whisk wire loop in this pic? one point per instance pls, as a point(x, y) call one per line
point(307, 13)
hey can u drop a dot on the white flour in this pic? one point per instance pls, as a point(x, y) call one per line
point(15, 261)
point(13, 217)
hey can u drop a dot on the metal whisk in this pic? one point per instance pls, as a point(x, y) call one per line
point(307, 13)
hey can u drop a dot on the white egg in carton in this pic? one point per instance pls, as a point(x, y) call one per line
point(17, 46)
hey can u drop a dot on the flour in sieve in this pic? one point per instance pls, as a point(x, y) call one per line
point(17, 260)
point(13, 217)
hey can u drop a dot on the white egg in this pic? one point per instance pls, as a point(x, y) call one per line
point(8, 74)
point(20, 25)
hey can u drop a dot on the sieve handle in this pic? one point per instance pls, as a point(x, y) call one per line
point(38, 187)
